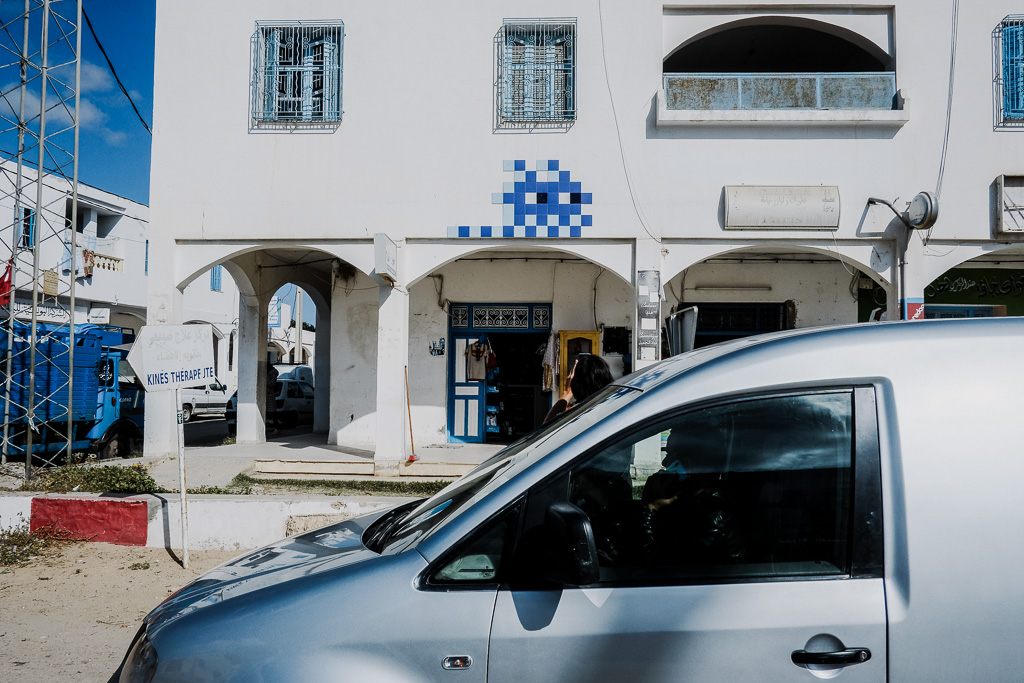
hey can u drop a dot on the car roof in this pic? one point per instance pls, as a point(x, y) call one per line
point(850, 349)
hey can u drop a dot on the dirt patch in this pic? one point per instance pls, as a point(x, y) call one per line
point(71, 617)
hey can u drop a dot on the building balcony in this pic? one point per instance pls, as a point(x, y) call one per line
point(111, 263)
point(860, 98)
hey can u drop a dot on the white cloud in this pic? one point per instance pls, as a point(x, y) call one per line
point(92, 118)
point(95, 78)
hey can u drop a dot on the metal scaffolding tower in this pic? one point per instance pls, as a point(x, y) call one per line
point(40, 71)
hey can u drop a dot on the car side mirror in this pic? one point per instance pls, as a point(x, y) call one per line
point(571, 553)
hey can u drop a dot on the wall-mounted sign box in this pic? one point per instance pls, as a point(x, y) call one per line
point(781, 207)
point(1010, 203)
point(385, 257)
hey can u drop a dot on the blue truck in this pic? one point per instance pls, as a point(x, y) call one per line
point(107, 412)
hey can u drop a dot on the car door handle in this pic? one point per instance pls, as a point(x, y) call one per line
point(851, 655)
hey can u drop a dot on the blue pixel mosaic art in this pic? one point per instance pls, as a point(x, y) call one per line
point(545, 202)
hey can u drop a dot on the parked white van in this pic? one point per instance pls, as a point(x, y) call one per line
point(798, 506)
point(205, 399)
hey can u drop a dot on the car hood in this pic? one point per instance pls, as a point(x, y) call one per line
point(311, 553)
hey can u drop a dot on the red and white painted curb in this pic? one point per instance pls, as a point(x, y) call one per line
point(122, 521)
point(215, 522)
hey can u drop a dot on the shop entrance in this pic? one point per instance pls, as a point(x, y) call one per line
point(495, 392)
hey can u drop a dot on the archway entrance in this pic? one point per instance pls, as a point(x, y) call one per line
point(484, 329)
point(751, 291)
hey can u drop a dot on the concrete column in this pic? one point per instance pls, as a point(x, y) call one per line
point(252, 370)
point(392, 431)
point(915, 278)
point(322, 371)
point(164, 308)
point(648, 257)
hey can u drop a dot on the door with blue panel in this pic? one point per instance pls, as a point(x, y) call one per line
point(466, 395)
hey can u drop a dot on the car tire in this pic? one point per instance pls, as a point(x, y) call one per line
point(232, 430)
point(114, 446)
point(186, 413)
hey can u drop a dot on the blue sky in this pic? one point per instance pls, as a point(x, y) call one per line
point(114, 147)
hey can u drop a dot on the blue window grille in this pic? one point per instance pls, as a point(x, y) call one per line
point(26, 238)
point(1012, 51)
point(215, 277)
point(537, 70)
point(298, 74)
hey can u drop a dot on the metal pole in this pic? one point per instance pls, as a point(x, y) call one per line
point(14, 242)
point(44, 76)
point(181, 476)
point(74, 230)
point(298, 325)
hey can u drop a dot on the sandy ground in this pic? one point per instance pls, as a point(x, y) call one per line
point(71, 618)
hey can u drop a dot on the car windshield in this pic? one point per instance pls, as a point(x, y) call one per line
point(403, 530)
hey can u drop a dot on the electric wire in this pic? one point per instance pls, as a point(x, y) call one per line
point(949, 97)
point(113, 72)
point(618, 131)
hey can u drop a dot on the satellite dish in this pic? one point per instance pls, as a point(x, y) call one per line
point(923, 211)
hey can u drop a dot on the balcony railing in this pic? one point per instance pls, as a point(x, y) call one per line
point(774, 91)
point(111, 263)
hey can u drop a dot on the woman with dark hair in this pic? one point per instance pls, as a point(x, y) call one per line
point(588, 375)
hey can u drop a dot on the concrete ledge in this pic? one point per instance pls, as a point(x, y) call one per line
point(214, 522)
point(402, 469)
point(312, 467)
point(452, 470)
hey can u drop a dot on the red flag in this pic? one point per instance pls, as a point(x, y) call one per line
point(5, 285)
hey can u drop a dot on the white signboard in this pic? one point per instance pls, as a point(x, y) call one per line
point(797, 207)
point(274, 313)
point(99, 315)
point(166, 357)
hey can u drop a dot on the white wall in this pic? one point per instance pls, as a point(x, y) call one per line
point(417, 152)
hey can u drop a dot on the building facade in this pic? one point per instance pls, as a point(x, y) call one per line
point(107, 254)
point(473, 192)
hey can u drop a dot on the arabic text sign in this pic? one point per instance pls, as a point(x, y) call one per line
point(170, 356)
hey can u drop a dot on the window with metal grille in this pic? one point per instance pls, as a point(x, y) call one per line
point(1011, 38)
point(297, 72)
point(216, 273)
point(537, 71)
point(26, 238)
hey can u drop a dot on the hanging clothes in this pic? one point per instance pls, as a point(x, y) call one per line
point(549, 363)
point(478, 355)
point(89, 261)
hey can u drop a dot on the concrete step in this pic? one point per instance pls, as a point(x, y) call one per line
point(336, 468)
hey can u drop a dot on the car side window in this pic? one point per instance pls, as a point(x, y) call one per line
point(480, 560)
point(294, 390)
point(307, 390)
point(759, 488)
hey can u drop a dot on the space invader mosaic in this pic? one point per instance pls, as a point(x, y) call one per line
point(545, 202)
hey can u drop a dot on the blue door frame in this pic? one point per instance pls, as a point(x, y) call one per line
point(470, 322)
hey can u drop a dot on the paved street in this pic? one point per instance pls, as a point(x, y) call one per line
point(202, 430)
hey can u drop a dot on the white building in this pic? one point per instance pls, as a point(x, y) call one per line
point(547, 167)
point(110, 265)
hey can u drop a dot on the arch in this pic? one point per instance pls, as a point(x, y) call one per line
point(196, 259)
point(615, 257)
point(677, 264)
point(777, 44)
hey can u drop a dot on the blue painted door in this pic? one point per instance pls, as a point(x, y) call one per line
point(466, 397)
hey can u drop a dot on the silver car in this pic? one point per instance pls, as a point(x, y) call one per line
point(782, 508)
